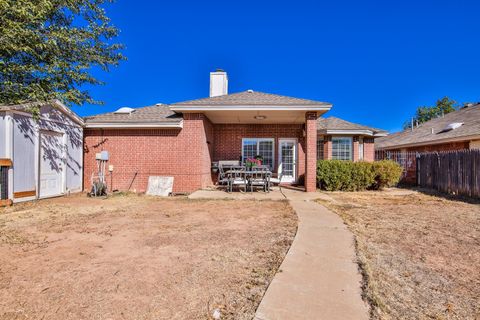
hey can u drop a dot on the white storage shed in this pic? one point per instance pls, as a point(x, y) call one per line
point(40, 157)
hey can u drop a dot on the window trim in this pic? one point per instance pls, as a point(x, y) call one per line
point(350, 138)
point(259, 140)
point(361, 149)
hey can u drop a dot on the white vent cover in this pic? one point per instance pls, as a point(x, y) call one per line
point(453, 126)
point(125, 110)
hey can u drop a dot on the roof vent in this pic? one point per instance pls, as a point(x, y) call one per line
point(124, 110)
point(250, 91)
point(453, 126)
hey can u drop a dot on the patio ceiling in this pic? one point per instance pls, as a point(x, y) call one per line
point(256, 115)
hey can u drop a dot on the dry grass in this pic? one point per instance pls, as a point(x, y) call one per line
point(420, 254)
point(138, 257)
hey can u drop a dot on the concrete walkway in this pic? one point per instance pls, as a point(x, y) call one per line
point(318, 278)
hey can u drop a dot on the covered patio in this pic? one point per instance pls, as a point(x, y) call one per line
point(282, 131)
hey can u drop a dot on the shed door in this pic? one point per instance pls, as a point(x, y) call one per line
point(51, 164)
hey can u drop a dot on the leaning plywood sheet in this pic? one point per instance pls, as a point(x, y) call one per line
point(159, 186)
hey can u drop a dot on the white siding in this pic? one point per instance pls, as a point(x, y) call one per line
point(26, 148)
point(2, 135)
point(74, 159)
point(59, 122)
point(24, 137)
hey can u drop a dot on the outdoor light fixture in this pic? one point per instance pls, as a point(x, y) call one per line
point(259, 117)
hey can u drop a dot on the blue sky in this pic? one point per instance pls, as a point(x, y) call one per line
point(376, 61)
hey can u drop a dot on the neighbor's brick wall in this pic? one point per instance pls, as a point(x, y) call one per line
point(228, 140)
point(452, 146)
point(410, 176)
point(183, 154)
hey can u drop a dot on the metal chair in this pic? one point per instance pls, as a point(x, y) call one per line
point(271, 180)
point(258, 178)
point(223, 167)
point(237, 177)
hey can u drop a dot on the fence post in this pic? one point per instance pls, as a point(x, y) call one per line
point(417, 172)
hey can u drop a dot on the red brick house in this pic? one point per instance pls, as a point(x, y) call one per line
point(457, 130)
point(183, 139)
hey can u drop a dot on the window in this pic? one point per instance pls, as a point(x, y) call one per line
point(320, 148)
point(342, 148)
point(252, 147)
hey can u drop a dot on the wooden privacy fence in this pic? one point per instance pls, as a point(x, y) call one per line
point(456, 172)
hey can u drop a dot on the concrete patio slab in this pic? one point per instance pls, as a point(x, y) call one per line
point(319, 277)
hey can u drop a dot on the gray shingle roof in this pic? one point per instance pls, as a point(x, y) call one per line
point(333, 123)
point(422, 135)
point(151, 114)
point(253, 98)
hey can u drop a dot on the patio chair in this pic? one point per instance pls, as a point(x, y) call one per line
point(259, 178)
point(274, 181)
point(237, 177)
point(223, 167)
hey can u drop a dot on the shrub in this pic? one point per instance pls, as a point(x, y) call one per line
point(336, 175)
point(387, 174)
point(363, 175)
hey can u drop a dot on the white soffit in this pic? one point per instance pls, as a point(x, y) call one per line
point(256, 117)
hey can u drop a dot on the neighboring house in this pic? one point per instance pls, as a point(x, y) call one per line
point(183, 139)
point(457, 130)
point(41, 157)
point(342, 140)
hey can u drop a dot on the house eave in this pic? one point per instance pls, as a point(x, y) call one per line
point(369, 133)
point(196, 108)
point(136, 125)
point(432, 142)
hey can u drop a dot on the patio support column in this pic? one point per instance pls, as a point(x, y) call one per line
point(311, 151)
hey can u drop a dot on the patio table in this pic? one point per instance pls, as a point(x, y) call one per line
point(247, 176)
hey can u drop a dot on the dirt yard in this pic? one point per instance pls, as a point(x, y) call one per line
point(138, 257)
point(420, 254)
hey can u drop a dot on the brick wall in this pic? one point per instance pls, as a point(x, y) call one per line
point(451, 146)
point(311, 151)
point(410, 170)
point(137, 154)
point(228, 140)
point(186, 154)
point(355, 148)
point(368, 149)
point(327, 147)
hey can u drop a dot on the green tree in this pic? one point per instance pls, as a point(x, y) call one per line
point(426, 113)
point(49, 47)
